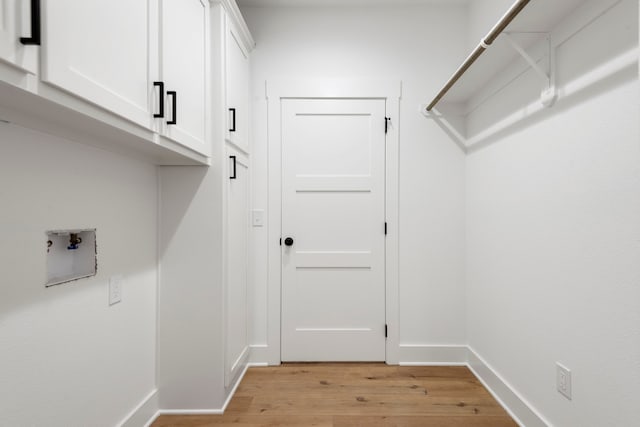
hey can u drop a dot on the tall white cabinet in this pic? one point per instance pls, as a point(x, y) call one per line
point(237, 263)
point(236, 44)
point(203, 339)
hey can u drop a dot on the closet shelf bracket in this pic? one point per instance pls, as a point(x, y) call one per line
point(549, 93)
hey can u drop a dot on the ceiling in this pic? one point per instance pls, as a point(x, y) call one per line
point(242, 3)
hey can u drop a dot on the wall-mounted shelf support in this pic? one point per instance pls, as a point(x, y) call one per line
point(549, 94)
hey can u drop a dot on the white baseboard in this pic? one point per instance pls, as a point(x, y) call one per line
point(237, 369)
point(259, 365)
point(144, 414)
point(259, 355)
point(196, 411)
point(190, 412)
point(432, 355)
point(516, 405)
point(235, 387)
point(410, 355)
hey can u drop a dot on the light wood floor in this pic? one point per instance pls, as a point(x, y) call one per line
point(363, 394)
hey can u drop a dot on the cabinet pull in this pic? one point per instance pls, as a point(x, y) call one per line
point(233, 119)
point(174, 103)
point(35, 25)
point(161, 98)
point(234, 176)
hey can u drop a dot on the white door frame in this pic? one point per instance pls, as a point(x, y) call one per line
point(391, 92)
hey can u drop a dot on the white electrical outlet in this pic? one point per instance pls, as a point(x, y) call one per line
point(563, 380)
point(115, 289)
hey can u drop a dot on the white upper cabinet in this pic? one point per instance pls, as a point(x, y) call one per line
point(131, 74)
point(183, 55)
point(99, 50)
point(237, 87)
point(16, 25)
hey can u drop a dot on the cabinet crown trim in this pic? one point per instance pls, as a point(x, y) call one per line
point(233, 11)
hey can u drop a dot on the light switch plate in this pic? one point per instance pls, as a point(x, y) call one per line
point(257, 218)
point(115, 289)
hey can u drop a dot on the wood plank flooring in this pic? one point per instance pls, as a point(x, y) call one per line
point(355, 394)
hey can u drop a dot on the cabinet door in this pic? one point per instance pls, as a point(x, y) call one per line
point(98, 50)
point(15, 23)
point(183, 59)
point(237, 263)
point(237, 79)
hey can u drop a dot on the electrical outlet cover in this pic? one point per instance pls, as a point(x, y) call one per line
point(563, 380)
point(115, 289)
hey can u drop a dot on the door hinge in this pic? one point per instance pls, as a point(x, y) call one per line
point(385, 228)
point(386, 331)
point(386, 124)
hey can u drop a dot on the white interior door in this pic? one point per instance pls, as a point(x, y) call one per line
point(333, 202)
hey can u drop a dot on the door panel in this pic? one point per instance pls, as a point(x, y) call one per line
point(333, 290)
point(338, 147)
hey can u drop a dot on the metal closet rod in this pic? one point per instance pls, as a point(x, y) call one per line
point(513, 11)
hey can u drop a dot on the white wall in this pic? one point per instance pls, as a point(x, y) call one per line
point(419, 45)
point(553, 232)
point(67, 358)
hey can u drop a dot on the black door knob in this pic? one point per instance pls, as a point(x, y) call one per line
point(288, 241)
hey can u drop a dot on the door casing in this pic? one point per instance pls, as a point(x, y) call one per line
point(391, 92)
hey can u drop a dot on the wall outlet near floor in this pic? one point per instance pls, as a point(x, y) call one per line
point(115, 289)
point(563, 380)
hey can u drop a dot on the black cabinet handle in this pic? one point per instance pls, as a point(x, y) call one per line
point(161, 97)
point(174, 103)
point(234, 167)
point(233, 119)
point(288, 241)
point(35, 25)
